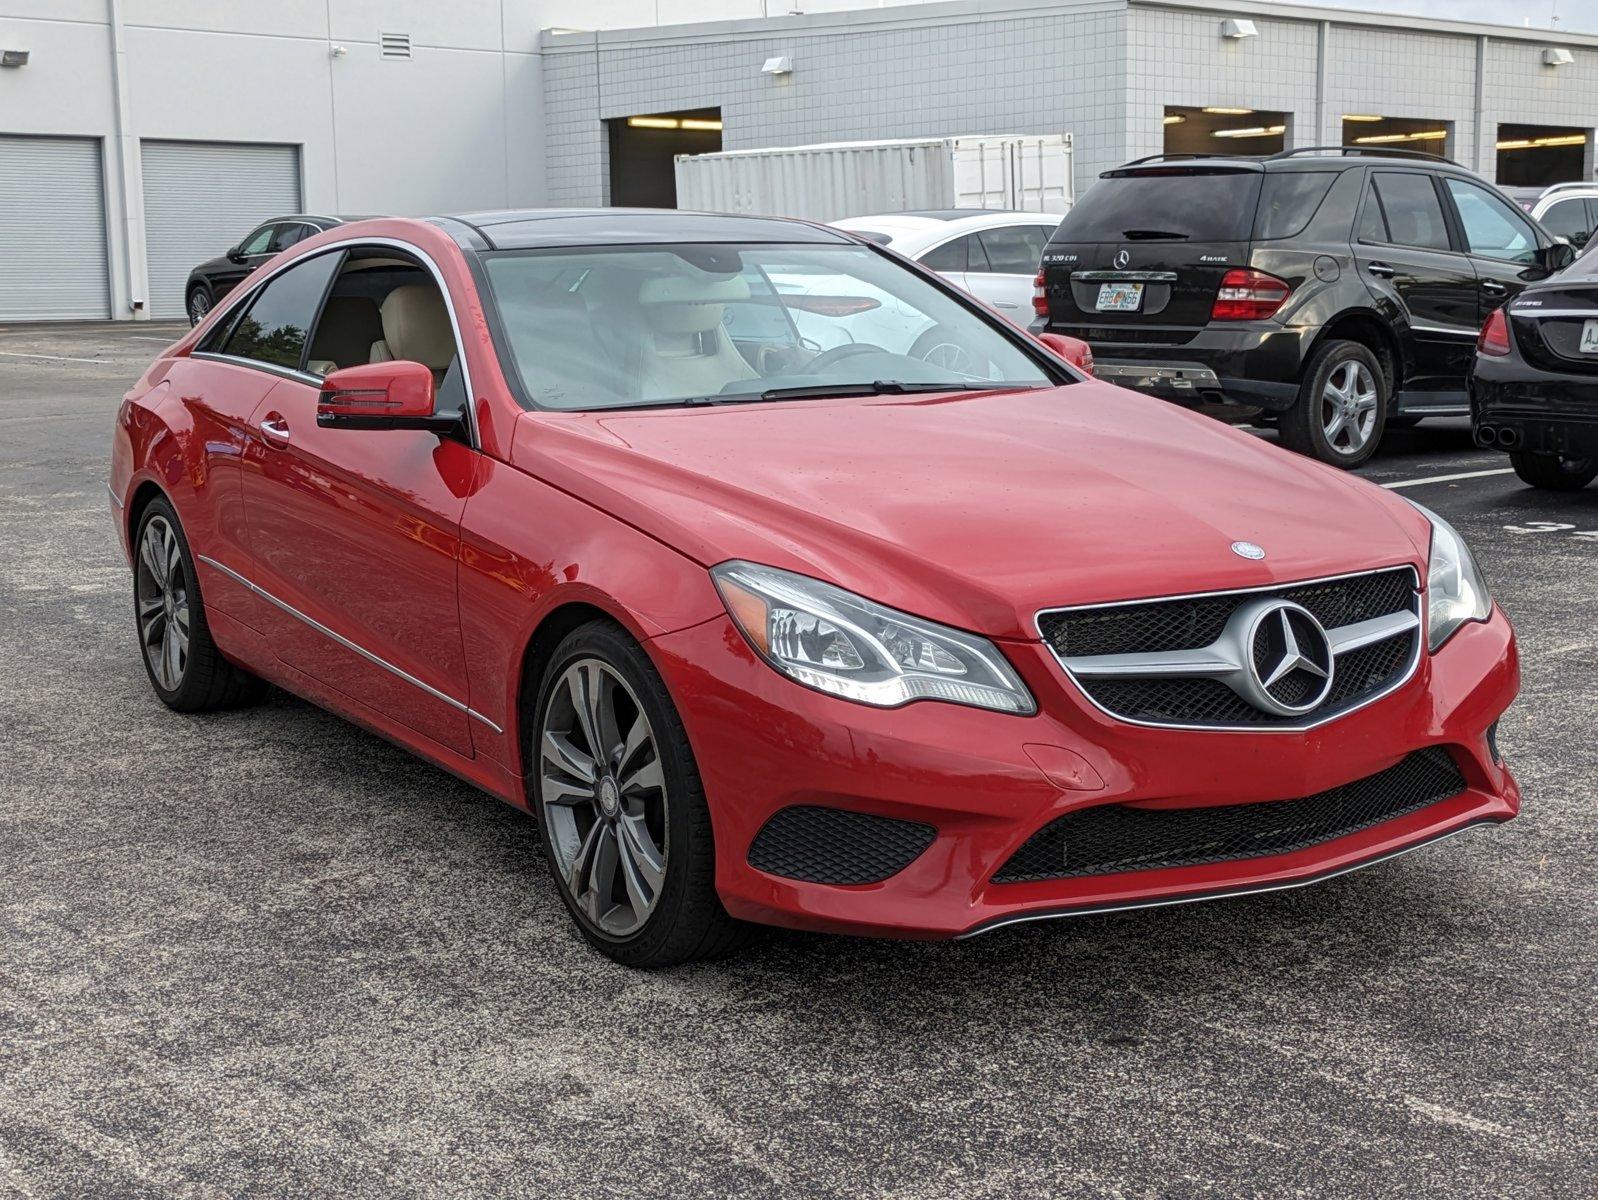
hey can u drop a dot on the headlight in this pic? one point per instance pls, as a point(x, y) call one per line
point(1455, 590)
point(837, 642)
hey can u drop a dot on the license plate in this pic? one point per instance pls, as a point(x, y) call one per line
point(1120, 297)
point(1589, 337)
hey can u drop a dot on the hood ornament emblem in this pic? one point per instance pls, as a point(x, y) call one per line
point(1248, 550)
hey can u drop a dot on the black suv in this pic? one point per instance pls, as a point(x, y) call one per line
point(216, 277)
point(1334, 290)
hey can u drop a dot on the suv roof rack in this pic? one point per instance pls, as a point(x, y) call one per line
point(1569, 185)
point(1364, 151)
point(1154, 158)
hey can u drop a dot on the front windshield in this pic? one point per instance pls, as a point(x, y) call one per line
point(615, 327)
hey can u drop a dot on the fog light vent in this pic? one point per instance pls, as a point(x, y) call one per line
point(834, 845)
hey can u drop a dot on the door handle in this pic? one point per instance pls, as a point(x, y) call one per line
point(1493, 288)
point(275, 429)
point(1380, 269)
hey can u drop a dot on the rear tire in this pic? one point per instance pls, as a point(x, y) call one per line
point(1341, 409)
point(1554, 472)
point(184, 666)
point(198, 303)
point(625, 826)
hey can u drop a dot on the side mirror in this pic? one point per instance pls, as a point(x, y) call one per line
point(235, 255)
point(1555, 257)
point(1074, 350)
point(386, 395)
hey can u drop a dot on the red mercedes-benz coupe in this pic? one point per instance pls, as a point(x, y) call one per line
point(785, 583)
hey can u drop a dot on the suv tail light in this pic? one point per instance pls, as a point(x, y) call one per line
point(1040, 298)
point(1248, 295)
point(1494, 339)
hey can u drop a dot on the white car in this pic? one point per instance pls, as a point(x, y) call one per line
point(993, 254)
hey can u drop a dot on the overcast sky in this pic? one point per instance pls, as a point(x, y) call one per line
point(1580, 16)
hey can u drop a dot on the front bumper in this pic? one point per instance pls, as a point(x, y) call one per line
point(1254, 363)
point(986, 782)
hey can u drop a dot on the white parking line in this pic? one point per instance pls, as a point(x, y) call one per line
point(51, 357)
point(1405, 483)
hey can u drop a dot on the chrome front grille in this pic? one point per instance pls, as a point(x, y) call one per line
point(1209, 661)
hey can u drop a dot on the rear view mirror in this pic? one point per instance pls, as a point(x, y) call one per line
point(386, 395)
point(1074, 350)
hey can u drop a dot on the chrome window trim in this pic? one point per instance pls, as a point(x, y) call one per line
point(234, 306)
point(1537, 314)
point(458, 705)
point(1296, 727)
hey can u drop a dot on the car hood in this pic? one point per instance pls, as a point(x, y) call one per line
point(976, 510)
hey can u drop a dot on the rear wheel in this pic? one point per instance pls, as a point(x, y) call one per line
point(199, 304)
point(185, 668)
point(1341, 408)
point(1554, 472)
point(621, 809)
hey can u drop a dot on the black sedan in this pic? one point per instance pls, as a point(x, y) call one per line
point(1534, 384)
point(216, 277)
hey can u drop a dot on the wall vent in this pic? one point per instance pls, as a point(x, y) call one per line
point(395, 45)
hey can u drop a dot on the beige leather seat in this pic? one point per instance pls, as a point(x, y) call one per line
point(416, 328)
point(344, 336)
point(686, 350)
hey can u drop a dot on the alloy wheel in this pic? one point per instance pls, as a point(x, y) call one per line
point(602, 795)
point(951, 356)
point(1348, 407)
point(199, 306)
point(161, 593)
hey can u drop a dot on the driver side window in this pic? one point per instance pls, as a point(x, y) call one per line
point(1493, 228)
point(257, 242)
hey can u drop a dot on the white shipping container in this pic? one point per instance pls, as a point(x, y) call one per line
point(1029, 173)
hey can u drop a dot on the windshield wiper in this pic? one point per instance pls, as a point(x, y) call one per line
point(1153, 235)
point(887, 387)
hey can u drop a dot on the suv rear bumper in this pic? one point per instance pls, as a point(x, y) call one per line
point(1255, 364)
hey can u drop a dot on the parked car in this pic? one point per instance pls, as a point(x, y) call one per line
point(992, 254)
point(838, 639)
point(218, 276)
point(1534, 384)
point(1567, 210)
point(1335, 291)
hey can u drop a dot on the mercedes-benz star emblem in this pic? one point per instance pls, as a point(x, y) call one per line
point(1122, 258)
point(1248, 550)
point(1290, 660)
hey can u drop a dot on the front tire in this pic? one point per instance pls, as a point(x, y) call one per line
point(620, 806)
point(1554, 472)
point(185, 668)
point(1341, 411)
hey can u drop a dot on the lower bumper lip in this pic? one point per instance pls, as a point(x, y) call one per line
point(1089, 910)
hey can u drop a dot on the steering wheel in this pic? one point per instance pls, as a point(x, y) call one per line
point(848, 350)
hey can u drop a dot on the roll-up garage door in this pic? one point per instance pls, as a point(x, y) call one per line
point(52, 230)
point(200, 198)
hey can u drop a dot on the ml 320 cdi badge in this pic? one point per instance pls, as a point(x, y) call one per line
point(784, 583)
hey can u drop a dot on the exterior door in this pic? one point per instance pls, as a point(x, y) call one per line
point(1403, 248)
point(354, 533)
point(52, 229)
point(252, 252)
point(1002, 266)
point(1503, 245)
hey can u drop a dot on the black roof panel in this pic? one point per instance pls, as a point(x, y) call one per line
point(538, 227)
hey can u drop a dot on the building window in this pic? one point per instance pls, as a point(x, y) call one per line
point(1224, 129)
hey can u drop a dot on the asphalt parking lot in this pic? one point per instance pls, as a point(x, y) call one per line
point(267, 953)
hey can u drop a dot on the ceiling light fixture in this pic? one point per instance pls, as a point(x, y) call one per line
point(1253, 132)
point(1360, 117)
point(1228, 112)
point(654, 122)
point(1424, 135)
point(1563, 139)
point(702, 123)
point(1172, 119)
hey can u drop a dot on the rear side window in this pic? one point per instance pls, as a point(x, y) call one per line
point(1413, 212)
point(1288, 199)
point(1165, 204)
point(275, 327)
point(951, 256)
point(1568, 219)
point(1014, 250)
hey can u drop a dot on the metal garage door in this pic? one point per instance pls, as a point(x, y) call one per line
point(52, 230)
point(202, 197)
